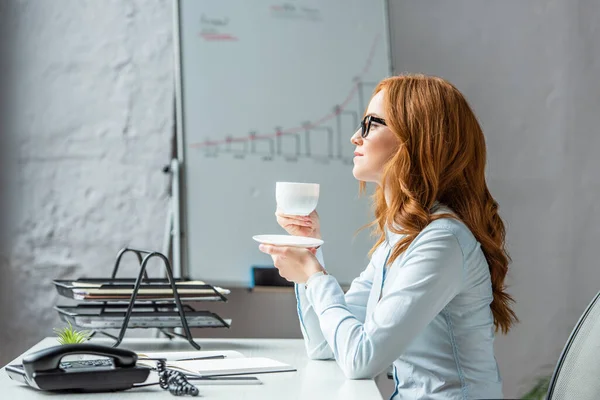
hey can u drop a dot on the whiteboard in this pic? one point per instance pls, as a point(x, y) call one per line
point(272, 91)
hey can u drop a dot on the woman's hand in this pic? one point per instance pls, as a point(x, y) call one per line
point(298, 225)
point(294, 264)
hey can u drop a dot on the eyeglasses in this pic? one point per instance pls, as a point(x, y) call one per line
point(365, 124)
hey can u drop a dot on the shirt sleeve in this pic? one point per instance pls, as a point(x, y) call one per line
point(356, 299)
point(430, 275)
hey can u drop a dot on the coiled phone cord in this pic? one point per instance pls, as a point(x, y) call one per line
point(173, 381)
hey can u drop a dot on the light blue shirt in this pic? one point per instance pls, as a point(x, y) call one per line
point(433, 322)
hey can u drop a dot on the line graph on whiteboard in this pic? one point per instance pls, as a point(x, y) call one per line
point(322, 139)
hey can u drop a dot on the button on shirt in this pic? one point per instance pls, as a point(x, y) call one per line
point(428, 314)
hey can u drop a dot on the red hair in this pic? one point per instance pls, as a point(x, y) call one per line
point(441, 157)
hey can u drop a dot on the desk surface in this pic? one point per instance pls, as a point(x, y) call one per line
point(313, 380)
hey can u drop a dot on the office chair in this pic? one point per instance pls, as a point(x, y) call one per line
point(577, 373)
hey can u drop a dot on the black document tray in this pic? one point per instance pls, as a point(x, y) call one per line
point(120, 289)
point(111, 316)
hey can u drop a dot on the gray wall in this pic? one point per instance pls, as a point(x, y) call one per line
point(92, 121)
point(531, 71)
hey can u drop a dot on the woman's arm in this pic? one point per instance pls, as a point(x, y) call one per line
point(431, 275)
point(355, 298)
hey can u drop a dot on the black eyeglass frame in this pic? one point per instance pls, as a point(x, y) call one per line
point(365, 124)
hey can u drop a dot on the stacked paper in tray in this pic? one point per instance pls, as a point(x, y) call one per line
point(97, 291)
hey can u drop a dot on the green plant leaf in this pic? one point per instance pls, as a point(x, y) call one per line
point(69, 335)
point(539, 391)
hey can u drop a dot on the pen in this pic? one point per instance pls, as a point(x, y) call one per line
point(202, 358)
point(215, 357)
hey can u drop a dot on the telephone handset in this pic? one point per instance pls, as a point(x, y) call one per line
point(43, 369)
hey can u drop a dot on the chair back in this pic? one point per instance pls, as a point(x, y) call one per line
point(577, 373)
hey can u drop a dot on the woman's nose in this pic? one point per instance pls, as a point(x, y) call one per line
point(356, 139)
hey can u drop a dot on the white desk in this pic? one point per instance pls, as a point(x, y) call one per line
point(314, 380)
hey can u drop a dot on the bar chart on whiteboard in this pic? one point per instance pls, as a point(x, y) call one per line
point(273, 91)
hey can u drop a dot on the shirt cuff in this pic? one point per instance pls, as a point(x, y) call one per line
point(319, 256)
point(313, 277)
point(324, 292)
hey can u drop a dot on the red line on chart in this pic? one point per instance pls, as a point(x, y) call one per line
point(312, 124)
point(218, 36)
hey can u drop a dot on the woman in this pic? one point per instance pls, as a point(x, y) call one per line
point(433, 292)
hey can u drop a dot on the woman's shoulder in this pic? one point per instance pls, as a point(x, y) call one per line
point(452, 224)
point(440, 227)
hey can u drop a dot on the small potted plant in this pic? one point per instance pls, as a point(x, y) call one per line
point(69, 335)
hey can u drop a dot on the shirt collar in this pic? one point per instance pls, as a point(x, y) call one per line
point(436, 208)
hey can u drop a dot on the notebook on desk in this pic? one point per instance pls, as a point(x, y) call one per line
point(215, 362)
point(230, 366)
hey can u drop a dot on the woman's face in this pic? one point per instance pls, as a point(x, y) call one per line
point(372, 152)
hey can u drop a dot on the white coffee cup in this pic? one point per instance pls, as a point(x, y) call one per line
point(296, 198)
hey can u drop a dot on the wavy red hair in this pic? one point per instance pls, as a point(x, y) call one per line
point(441, 157)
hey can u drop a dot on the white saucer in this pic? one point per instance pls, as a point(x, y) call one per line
point(288, 240)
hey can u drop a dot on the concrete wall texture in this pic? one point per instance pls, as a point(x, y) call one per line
point(91, 121)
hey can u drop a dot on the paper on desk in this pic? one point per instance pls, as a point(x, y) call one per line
point(213, 380)
point(181, 355)
point(230, 366)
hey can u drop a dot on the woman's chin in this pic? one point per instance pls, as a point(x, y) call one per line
point(362, 176)
point(357, 174)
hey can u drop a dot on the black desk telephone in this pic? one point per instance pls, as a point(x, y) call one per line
point(44, 370)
